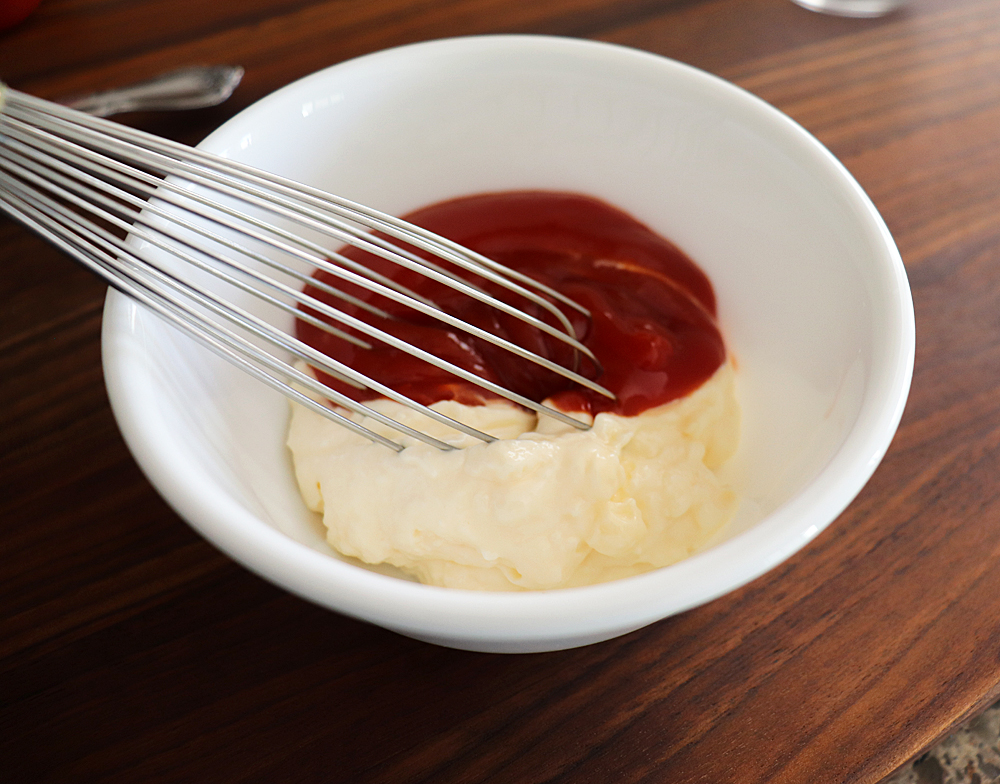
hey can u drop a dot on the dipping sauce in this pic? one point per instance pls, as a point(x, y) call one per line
point(546, 505)
point(652, 327)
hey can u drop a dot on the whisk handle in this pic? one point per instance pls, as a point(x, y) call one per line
point(186, 88)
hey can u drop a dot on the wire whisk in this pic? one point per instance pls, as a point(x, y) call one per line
point(166, 224)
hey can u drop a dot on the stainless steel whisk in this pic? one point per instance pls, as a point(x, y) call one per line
point(191, 217)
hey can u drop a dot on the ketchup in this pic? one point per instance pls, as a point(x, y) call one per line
point(652, 326)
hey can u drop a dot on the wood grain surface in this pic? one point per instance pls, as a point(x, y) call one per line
point(132, 651)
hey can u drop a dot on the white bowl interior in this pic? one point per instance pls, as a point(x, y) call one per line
point(812, 297)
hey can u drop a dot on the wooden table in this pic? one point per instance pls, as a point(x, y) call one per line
point(132, 651)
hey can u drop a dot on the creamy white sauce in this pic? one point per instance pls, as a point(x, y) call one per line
point(546, 506)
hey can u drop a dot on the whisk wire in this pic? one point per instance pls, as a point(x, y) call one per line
point(90, 198)
point(163, 155)
point(211, 338)
point(66, 231)
point(245, 320)
point(54, 157)
point(353, 211)
point(421, 306)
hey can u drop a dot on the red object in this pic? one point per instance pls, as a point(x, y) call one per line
point(13, 12)
point(652, 328)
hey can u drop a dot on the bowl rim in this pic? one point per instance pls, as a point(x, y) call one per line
point(547, 615)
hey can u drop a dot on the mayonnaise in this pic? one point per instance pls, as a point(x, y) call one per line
point(546, 506)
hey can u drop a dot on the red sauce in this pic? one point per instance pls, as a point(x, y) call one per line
point(652, 326)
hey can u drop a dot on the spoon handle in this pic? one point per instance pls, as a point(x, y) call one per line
point(186, 88)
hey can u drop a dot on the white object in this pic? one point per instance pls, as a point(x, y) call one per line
point(856, 8)
point(812, 294)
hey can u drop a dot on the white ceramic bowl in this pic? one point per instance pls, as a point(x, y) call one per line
point(812, 296)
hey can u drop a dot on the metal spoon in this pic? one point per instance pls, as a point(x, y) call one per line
point(186, 88)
